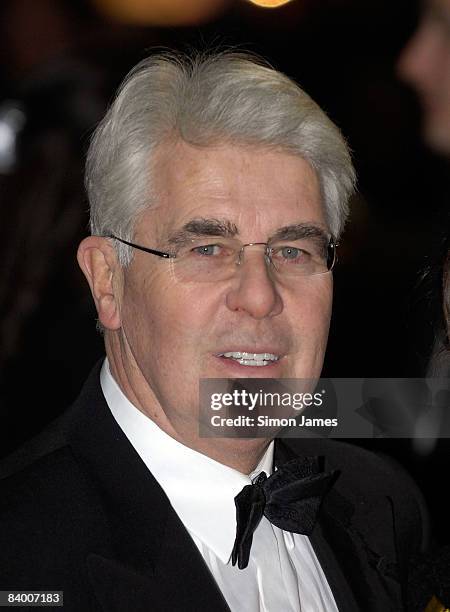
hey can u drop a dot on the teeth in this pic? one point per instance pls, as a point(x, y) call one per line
point(251, 359)
point(252, 362)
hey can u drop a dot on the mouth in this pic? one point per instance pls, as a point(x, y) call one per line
point(244, 358)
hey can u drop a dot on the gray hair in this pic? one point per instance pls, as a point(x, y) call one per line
point(206, 100)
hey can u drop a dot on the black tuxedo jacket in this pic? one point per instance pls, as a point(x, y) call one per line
point(80, 512)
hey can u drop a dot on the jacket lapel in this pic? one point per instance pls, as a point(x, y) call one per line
point(355, 545)
point(148, 559)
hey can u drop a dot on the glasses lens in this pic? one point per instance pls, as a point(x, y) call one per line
point(206, 260)
point(305, 257)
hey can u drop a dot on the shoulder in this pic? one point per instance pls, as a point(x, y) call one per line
point(51, 518)
point(51, 515)
point(365, 477)
point(32, 452)
point(51, 447)
point(373, 473)
point(43, 484)
point(45, 474)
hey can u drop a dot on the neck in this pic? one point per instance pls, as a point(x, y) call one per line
point(241, 455)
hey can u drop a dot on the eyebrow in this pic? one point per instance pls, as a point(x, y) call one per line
point(202, 227)
point(299, 231)
point(225, 228)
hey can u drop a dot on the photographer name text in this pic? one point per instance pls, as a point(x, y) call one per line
point(265, 421)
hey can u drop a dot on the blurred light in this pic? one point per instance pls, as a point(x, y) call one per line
point(160, 12)
point(269, 3)
point(12, 121)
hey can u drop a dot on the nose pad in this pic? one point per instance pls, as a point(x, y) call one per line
point(256, 292)
point(267, 258)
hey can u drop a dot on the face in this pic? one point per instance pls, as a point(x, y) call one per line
point(425, 64)
point(173, 333)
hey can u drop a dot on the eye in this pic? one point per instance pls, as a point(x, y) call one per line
point(290, 252)
point(207, 249)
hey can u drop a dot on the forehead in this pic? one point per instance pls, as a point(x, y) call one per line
point(254, 187)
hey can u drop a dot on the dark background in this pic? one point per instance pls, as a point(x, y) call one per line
point(60, 64)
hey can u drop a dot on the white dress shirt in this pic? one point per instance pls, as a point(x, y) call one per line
point(283, 574)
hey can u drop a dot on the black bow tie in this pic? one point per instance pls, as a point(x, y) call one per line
point(290, 499)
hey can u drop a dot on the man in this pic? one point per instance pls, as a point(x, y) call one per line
point(217, 189)
point(425, 64)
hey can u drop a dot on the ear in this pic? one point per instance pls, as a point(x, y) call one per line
point(98, 261)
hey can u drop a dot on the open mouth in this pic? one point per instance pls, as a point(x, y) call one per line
point(251, 359)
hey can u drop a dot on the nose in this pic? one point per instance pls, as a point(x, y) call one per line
point(254, 290)
point(417, 62)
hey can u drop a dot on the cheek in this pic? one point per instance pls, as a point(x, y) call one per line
point(168, 317)
point(318, 321)
point(144, 311)
point(312, 313)
point(320, 299)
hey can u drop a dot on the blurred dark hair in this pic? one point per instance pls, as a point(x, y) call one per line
point(437, 282)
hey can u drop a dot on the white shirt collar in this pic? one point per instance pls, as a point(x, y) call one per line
point(200, 490)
